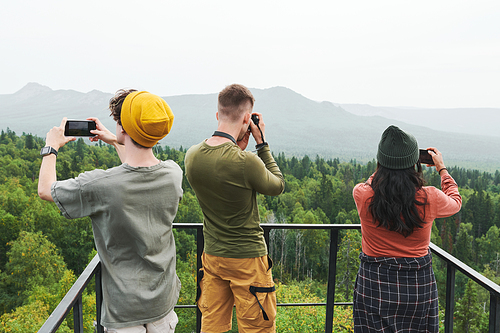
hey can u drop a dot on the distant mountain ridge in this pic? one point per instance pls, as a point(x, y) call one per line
point(482, 121)
point(295, 124)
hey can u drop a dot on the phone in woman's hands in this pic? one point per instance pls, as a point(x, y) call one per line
point(425, 157)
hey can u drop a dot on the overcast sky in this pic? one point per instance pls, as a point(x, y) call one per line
point(438, 53)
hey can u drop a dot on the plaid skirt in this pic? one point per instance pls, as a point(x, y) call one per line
point(395, 295)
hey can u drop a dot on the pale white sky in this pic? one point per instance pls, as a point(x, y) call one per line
point(427, 53)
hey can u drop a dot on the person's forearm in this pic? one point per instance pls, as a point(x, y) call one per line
point(47, 177)
point(271, 165)
point(277, 181)
point(452, 202)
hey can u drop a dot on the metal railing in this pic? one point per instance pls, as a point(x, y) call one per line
point(73, 299)
point(452, 265)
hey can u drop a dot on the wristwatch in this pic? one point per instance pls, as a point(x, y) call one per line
point(261, 145)
point(47, 150)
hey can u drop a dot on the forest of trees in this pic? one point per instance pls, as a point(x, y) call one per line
point(42, 253)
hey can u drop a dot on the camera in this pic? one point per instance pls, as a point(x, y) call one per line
point(79, 128)
point(425, 157)
point(255, 119)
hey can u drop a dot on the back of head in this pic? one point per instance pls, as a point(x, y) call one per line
point(145, 117)
point(232, 101)
point(395, 183)
point(397, 149)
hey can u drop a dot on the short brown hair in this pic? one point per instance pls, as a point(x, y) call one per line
point(232, 97)
point(116, 102)
point(115, 108)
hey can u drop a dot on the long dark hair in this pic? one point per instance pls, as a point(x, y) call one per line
point(393, 204)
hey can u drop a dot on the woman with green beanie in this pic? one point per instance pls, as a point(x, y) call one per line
point(395, 288)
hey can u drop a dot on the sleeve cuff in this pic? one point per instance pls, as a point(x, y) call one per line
point(261, 145)
point(263, 149)
point(56, 201)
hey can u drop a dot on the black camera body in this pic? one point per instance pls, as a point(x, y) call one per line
point(255, 119)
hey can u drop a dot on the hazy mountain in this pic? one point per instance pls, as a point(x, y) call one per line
point(295, 125)
point(482, 121)
point(36, 109)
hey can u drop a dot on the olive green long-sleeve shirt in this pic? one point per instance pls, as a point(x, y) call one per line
point(226, 180)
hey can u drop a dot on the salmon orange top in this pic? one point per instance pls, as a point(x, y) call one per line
point(380, 242)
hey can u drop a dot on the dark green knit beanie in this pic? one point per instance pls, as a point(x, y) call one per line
point(397, 149)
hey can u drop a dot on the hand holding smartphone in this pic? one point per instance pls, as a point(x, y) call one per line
point(425, 157)
point(79, 128)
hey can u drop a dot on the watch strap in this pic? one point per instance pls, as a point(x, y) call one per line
point(47, 150)
point(261, 145)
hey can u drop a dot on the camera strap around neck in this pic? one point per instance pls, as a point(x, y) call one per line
point(224, 135)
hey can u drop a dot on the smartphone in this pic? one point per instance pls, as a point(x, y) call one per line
point(79, 128)
point(425, 157)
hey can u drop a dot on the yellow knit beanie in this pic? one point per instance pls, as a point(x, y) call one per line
point(146, 118)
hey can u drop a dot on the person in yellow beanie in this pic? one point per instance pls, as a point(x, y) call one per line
point(145, 117)
point(132, 207)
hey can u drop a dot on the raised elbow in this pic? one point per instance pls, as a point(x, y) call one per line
point(280, 189)
point(44, 193)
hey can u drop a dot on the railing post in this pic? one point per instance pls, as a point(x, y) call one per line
point(450, 298)
point(78, 315)
point(332, 271)
point(494, 313)
point(200, 244)
point(98, 298)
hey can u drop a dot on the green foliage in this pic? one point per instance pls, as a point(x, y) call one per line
point(189, 210)
point(464, 244)
point(184, 244)
point(186, 271)
point(488, 247)
point(470, 314)
point(26, 318)
point(348, 262)
point(34, 283)
point(9, 229)
point(22, 210)
point(317, 191)
point(32, 261)
point(311, 318)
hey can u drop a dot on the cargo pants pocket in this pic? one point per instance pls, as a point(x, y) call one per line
point(261, 308)
point(255, 290)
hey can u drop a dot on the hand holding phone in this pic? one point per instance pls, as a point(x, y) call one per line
point(437, 158)
point(56, 137)
point(425, 157)
point(79, 128)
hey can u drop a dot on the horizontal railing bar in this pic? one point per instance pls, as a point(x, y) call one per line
point(190, 225)
point(280, 226)
point(278, 304)
point(315, 304)
point(184, 306)
point(310, 226)
point(467, 270)
point(64, 307)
